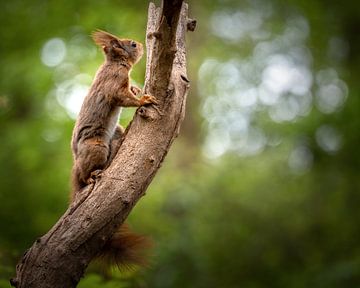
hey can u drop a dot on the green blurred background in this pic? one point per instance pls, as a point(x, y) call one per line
point(261, 189)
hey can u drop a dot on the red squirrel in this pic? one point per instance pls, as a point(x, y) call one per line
point(97, 136)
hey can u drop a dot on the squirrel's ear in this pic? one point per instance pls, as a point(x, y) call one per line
point(115, 43)
point(103, 38)
point(105, 49)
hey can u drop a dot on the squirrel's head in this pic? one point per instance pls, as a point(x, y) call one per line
point(116, 49)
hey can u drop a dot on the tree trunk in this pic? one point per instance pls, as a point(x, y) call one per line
point(59, 258)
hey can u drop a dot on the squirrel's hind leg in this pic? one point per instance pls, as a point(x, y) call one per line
point(93, 156)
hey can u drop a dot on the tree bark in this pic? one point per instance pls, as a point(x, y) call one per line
point(59, 258)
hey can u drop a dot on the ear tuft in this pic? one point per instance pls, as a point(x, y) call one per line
point(103, 38)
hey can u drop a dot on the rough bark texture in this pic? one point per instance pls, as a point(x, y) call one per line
point(59, 258)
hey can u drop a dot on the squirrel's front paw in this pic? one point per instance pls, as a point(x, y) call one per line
point(147, 99)
point(135, 90)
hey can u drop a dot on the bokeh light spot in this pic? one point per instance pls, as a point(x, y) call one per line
point(53, 52)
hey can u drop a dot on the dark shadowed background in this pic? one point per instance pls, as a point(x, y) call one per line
point(262, 187)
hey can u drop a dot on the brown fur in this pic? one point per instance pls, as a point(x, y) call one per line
point(97, 136)
point(126, 249)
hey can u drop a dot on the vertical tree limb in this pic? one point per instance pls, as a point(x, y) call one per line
point(59, 258)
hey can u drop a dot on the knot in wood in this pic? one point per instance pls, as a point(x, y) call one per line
point(190, 24)
point(149, 114)
point(14, 282)
point(155, 34)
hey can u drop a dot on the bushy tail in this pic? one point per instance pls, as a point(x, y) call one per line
point(126, 249)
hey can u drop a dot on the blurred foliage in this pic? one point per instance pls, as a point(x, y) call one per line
point(261, 189)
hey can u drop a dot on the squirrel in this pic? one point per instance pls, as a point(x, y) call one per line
point(97, 135)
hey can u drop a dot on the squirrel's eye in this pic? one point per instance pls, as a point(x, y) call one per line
point(133, 44)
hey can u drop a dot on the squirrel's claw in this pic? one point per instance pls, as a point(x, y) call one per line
point(93, 176)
